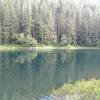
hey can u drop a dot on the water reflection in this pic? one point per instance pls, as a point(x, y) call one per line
point(28, 75)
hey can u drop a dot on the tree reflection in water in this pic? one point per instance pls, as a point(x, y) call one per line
point(25, 75)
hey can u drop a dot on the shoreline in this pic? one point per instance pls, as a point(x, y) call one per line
point(19, 47)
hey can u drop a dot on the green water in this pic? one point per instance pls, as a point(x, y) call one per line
point(25, 75)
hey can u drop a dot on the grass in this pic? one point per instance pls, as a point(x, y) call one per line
point(38, 47)
point(42, 47)
point(85, 90)
point(9, 47)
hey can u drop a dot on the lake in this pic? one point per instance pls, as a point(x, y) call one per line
point(30, 75)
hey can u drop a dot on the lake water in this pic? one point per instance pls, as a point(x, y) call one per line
point(28, 75)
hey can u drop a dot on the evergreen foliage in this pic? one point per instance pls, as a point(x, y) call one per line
point(50, 22)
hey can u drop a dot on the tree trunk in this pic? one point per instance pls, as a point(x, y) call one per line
point(33, 30)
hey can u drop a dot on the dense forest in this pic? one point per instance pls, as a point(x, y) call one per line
point(65, 22)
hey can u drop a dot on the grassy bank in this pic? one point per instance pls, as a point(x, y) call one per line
point(39, 47)
point(10, 47)
point(56, 47)
point(42, 47)
point(72, 47)
point(81, 90)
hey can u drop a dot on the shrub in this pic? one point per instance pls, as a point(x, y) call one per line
point(4, 38)
point(17, 39)
point(25, 40)
point(85, 90)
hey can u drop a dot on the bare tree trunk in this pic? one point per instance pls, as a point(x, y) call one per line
point(2, 29)
point(33, 30)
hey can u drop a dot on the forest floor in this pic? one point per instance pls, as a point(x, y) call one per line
point(42, 47)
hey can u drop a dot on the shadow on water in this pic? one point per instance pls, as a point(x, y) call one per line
point(25, 75)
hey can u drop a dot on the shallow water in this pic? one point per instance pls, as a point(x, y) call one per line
point(30, 75)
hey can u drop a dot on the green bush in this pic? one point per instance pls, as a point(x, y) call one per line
point(24, 40)
point(85, 90)
point(20, 39)
point(4, 38)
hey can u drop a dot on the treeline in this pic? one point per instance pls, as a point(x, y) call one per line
point(49, 22)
